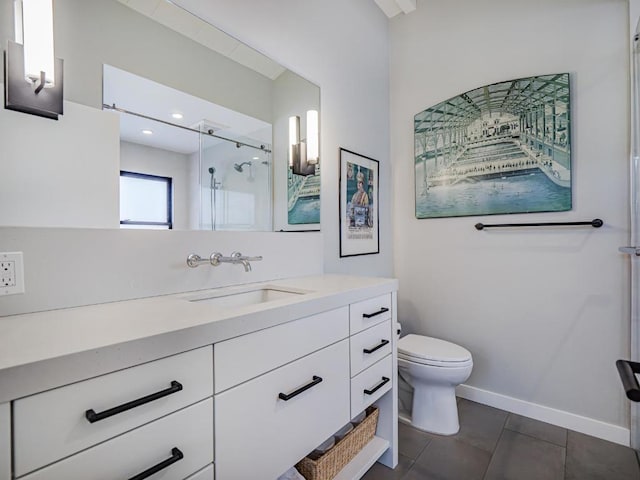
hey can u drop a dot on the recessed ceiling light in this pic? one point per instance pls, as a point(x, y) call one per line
point(177, 116)
point(256, 158)
point(147, 132)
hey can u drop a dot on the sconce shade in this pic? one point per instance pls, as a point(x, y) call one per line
point(312, 136)
point(37, 40)
point(294, 138)
point(299, 160)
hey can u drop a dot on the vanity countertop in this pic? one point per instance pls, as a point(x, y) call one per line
point(44, 349)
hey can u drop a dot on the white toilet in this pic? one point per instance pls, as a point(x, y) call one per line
point(434, 368)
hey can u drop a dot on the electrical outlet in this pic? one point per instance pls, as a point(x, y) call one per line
point(8, 273)
point(11, 273)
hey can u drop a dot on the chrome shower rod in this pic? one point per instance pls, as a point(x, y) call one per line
point(129, 112)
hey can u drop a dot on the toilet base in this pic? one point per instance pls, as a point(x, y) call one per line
point(435, 409)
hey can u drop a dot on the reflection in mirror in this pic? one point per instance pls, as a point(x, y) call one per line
point(159, 41)
point(217, 160)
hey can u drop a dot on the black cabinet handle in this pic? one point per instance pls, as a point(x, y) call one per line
point(369, 315)
point(384, 381)
point(377, 347)
point(176, 455)
point(627, 371)
point(312, 383)
point(92, 416)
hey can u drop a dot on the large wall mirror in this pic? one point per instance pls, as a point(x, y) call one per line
point(202, 137)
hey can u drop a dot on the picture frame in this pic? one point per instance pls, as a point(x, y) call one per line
point(504, 148)
point(359, 211)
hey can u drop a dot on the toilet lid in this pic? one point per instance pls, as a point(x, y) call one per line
point(428, 348)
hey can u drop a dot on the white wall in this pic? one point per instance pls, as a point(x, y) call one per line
point(67, 267)
point(155, 161)
point(543, 311)
point(59, 173)
point(352, 70)
point(342, 46)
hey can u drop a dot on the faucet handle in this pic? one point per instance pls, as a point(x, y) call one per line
point(235, 255)
point(215, 258)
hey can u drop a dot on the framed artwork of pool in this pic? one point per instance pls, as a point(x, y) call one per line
point(359, 219)
point(498, 149)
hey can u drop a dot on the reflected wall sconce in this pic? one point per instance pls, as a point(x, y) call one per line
point(33, 76)
point(304, 154)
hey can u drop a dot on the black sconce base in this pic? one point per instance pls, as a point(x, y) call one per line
point(21, 96)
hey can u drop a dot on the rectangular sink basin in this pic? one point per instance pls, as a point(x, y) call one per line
point(242, 299)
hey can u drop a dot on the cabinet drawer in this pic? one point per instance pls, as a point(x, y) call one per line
point(52, 425)
point(369, 312)
point(259, 435)
point(189, 430)
point(204, 474)
point(242, 358)
point(369, 346)
point(369, 381)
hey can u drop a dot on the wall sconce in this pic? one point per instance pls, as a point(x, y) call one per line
point(304, 154)
point(33, 76)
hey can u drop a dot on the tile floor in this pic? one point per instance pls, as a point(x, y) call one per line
point(493, 444)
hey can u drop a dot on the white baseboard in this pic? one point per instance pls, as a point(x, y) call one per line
point(571, 421)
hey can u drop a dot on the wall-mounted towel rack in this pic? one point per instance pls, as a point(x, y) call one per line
point(595, 223)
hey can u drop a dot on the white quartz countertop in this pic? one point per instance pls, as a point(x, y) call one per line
point(45, 349)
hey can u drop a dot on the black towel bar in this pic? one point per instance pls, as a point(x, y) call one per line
point(595, 223)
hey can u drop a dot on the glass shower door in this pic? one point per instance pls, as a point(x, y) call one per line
point(634, 241)
point(235, 184)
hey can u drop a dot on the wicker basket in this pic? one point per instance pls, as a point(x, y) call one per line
point(328, 465)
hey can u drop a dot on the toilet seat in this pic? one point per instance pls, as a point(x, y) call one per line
point(433, 351)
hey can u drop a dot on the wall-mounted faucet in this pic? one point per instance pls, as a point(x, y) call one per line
point(216, 258)
point(236, 257)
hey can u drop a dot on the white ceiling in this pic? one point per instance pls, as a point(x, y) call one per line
point(191, 26)
point(391, 8)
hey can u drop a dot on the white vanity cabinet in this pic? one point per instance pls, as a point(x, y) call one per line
point(5, 441)
point(372, 367)
point(183, 390)
point(50, 428)
point(282, 391)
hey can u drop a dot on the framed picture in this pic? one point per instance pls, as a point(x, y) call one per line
point(501, 148)
point(359, 225)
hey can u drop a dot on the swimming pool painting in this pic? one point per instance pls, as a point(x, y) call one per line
point(498, 149)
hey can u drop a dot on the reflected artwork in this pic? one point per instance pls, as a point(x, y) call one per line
point(303, 194)
point(502, 148)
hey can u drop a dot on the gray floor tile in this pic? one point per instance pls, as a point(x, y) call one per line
point(589, 458)
point(380, 472)
point(534, 428)
point(480, 426)
point(520, 457)
point(411, 442)
point(446, 458)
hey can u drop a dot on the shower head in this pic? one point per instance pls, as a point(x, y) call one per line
point(238, 166)
point(212, 170)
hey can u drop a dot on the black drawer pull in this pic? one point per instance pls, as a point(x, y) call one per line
point(384, 381)
point(627, 371)
point(377, 347)
point(176, 455)
point(92, 416)
point(312, 383)
point(369, 315)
